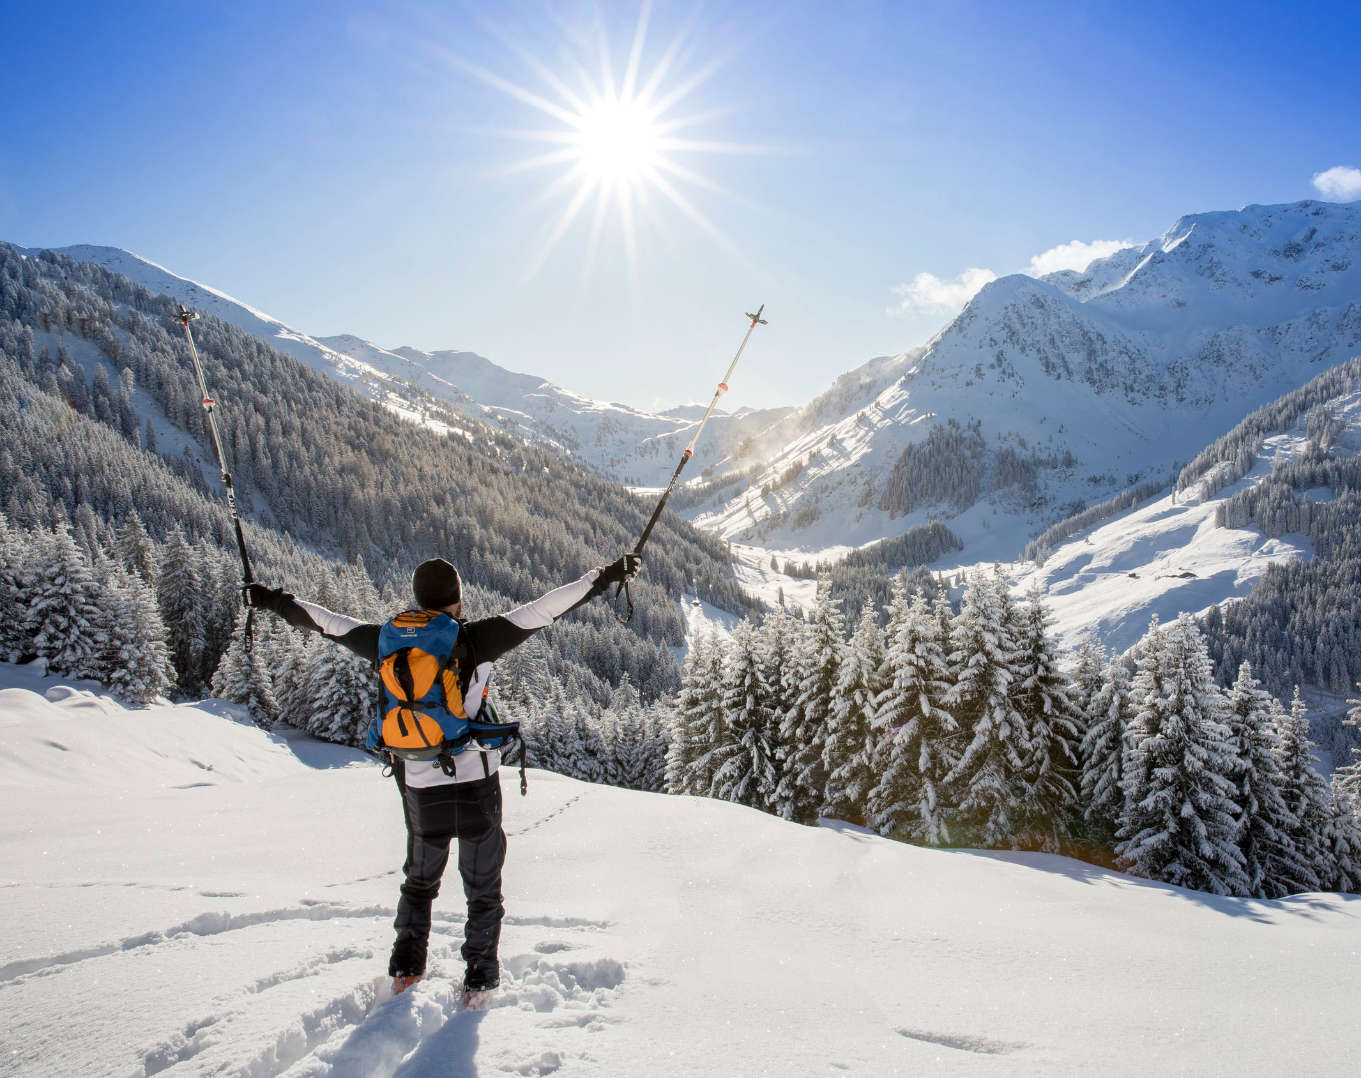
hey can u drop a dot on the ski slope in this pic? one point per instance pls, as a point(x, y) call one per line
point(189, 895)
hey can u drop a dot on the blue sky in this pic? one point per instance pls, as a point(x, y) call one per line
point(349, 167)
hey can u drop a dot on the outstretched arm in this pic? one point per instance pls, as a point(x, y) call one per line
point(360, 637)
point(490, 638)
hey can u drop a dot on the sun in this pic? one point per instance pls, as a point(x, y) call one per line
point(618, 142)
point(616, 139)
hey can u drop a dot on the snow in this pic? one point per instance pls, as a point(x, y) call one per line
point(1163, 558)
point(187, 894)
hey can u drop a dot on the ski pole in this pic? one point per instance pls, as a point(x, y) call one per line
point(247, 578)
point(756, 320)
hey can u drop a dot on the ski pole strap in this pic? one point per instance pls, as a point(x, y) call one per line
point(627, 615)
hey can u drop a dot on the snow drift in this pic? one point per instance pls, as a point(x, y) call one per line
point(188, 894)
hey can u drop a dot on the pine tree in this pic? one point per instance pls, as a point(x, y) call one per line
point(918, 740)
point(135, 549)
point(558, 745)
point(67, 610)
point(1087, 679)
point(1343, 836)
point(699, 719)
point(849, 754)
point(989, 776)
point(1104, 748)
point(138, 657)
point(745, 766)
point(658, 723)
point(1347, 778)
point(1053, 736)
point(289, 663)
point(243, 678)
point(340, 695)
point(806, 729)
point(778, 643)
point(15, 597)
point(180, 595)
point(1265, 823)
point(626, 761)
point(1180, 823)
point(588, 743)
point(1308, 800)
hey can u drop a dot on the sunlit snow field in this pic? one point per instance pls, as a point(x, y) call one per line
point(186, 894)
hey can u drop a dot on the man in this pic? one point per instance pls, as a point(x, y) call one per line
point(465, 804)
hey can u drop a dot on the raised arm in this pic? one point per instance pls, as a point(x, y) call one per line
point(490, 638)
point(359, 636)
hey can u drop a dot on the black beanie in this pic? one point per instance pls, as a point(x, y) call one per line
point(435, 584)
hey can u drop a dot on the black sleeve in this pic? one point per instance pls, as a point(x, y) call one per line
point(490, 638)
point(360, 637)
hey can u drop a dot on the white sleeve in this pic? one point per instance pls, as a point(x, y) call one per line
point(329, 622)
point(542, 611)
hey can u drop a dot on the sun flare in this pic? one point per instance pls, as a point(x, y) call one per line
point(617, 140)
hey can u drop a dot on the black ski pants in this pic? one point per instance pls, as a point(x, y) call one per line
point(435, 815)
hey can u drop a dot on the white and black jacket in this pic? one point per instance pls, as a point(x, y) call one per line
point(487, 639)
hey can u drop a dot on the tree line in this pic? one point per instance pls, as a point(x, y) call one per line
point(960, 728)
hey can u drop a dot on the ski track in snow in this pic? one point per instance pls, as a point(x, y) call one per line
point(206, 924)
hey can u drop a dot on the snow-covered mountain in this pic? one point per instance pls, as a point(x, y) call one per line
point(191, 895)
point(623, 443)
point(613, 440)
point(1044, 395)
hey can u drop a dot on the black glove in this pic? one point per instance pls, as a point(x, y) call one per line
point(624, 568)
point(263, 598)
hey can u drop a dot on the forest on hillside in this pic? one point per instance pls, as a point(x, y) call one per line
point(97, 391)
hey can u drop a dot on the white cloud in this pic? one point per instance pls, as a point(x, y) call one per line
point(1339, 183)
point(1074, 256)
point(929, 294)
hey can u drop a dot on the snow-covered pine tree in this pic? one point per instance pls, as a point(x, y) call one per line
point(1343, 836)
point(1054, 729)
point(699, 719)
point(1180, 823)
point(988, 779)
point(1266, 825)
point(918, 742)
point(806, 729)
point(625, 763)
point(1347, 778)
point(15, 600)
point(778, 642)
point(590, 751)
point(1307, 797)
point(744, 763)
point(340, 694)
point(180, 595)
point(138, 660)
point(290, 657)
point(135, 550)
point(67, 609)
point(242, 677)
point(221, 576)
point(1103, 751)
point(556, 744)
point(1086, 681)
point(658, 721)
point(849, 753)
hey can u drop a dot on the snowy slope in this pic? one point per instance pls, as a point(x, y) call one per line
point(1098, 379)
point(188, 895)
